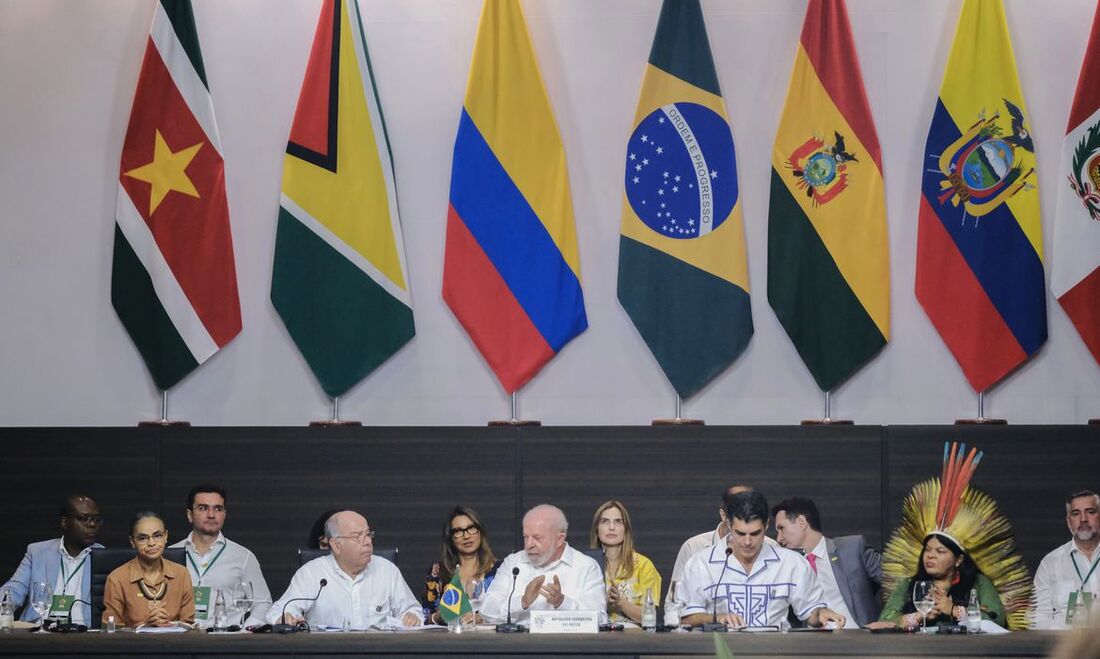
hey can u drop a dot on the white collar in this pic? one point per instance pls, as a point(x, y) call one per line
point(65, 552)
point(189, 541)
point(566, 558)
point(820, 549)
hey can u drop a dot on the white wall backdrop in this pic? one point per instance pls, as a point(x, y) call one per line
point(68, 69)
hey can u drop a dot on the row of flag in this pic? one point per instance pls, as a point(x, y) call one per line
point(512, 272)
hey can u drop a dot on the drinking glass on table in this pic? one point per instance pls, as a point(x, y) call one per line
point(41, 598)
point(240, 598)
point(923, 602)
point(476, 593)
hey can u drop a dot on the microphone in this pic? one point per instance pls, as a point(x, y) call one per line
point(714, 625)
point(510, 627)
point(69, 627)
point(282, 627)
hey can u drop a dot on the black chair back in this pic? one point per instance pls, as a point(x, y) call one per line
point(307, 555)
point(105, 560)
point(596, 555)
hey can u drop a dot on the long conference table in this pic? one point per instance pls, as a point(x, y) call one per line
point(855, 643)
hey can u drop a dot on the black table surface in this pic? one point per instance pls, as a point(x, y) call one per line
point(626, 644)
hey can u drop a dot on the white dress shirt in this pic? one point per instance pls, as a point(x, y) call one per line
point(376, 596)
point(581, 581)
point(223, 565)
point(70, 578)
point(829, 585)
point(778, 578)
point(1056, 578)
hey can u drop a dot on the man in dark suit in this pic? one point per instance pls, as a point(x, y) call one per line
point(850, 572)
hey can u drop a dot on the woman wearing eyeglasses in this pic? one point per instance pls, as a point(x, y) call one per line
point(627, 574)
point(465, 549)
point(148, 590)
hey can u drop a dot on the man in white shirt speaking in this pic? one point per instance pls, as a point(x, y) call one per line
point(749, 583)
point(850, 572)
point(1070, 572)
point(551, 574)
point(350, 584)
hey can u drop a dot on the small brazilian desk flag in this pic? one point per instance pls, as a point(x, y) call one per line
point(979, 238)
point(683, 270)
point(339, 280)
point(511, 269)
point(453, 603)
point(828, 258)
point(173, 278)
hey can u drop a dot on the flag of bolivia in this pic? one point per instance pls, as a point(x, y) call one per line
point(173, 278)
point(828, 262)
point(683, 271)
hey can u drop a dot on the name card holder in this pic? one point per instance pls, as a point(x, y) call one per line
point(565, 622)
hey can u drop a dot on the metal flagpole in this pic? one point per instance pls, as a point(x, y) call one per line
point(981, 420)
point(335, 420)
point(828, 419)
point(163, 420)
point(515, 420)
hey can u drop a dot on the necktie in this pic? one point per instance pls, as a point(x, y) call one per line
point(812, 558)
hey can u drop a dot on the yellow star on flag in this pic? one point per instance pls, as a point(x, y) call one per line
point(166, 172)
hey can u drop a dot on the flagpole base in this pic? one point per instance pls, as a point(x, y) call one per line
point(164, 423)
point(514, 422)
point(677, 422)
point(981, 422)
point(335, 423)
point(827, 422)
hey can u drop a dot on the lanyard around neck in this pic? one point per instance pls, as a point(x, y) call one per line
point(66, 579)
point(209, 565)
point(1085, 578)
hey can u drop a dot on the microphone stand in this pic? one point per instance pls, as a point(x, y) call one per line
point(714, 625)
point(283, 627)
point(68, 627)
point(510, 627)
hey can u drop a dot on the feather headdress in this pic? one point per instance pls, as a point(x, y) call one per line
point(948, 506)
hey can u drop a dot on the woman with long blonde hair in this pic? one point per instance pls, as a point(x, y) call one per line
point(627, 573)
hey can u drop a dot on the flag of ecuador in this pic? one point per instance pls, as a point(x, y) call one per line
point(339, 280)
point(173, 278)
point(828, 258)
point(979, 240)
point(511, 271)
point(683, 271)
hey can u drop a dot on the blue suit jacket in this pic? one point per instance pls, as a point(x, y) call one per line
point(42, 562)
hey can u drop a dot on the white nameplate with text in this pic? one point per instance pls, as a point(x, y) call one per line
point(565, 622)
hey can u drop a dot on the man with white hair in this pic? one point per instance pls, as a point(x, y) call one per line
point(349, 584)
point(551, 574)
point(1070, 571)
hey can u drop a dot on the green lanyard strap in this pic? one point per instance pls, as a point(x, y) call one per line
point(76, 570)
point(209, 565)
point(1085, 578)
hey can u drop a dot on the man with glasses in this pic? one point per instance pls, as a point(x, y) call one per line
point(215, 562)
point(61, 563)
point(361, 590)
point(1068, 576)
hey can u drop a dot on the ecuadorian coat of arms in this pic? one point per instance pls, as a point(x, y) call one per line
point(985, 166)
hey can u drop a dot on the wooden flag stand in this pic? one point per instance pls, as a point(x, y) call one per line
point(335, 421)
point(981, 420)
point(828, 420)
point(679, 420)
point(163, 422)
point(514, 421)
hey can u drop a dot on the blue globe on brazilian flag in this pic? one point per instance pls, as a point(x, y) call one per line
point(453, 603)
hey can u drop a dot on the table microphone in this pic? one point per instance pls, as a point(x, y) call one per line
point(282, 627)
point(510, 627)
point(69, 627)
point(714, 625)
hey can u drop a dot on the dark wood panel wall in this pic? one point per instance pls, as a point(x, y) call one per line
point(406, 479)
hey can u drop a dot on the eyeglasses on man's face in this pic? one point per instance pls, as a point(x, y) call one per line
point(91, 520)
point(144, 538)
point(459, 531)
point(358, 536)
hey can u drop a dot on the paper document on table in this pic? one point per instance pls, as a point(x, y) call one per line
point(171, 629)
point(990, 627)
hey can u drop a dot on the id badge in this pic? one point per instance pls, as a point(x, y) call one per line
point(1086, 599)
point(59, 606)
point(202, 602)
